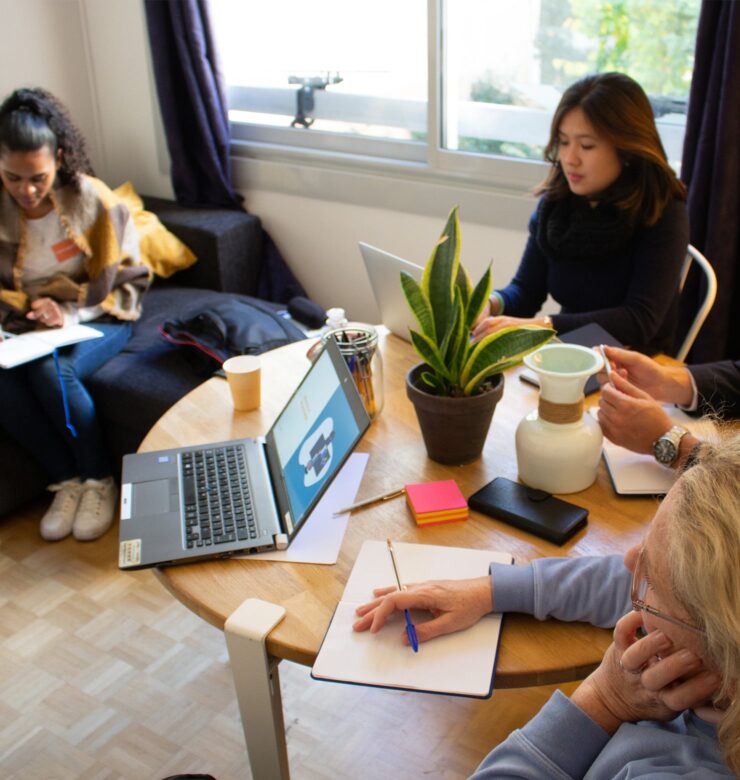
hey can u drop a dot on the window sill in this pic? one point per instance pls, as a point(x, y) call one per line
point(376, 182)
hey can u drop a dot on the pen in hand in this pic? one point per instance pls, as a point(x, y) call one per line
point(607, 364)
point(410, 628)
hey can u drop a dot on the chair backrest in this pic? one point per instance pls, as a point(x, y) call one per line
point(693, 255)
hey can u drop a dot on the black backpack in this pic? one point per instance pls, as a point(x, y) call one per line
point(236, 325)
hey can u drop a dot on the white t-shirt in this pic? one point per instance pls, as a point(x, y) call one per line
point(49, 251)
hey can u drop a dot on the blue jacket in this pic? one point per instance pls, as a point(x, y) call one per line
point(561, 741)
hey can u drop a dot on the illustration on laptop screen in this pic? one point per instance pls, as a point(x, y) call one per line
point(308, 460)
point(243, 495)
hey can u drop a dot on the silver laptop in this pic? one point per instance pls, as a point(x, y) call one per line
point(245, 495)
point(384, 270)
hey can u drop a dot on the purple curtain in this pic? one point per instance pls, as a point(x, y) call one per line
point(195, 116)
point(711, 171)
point(192, 102)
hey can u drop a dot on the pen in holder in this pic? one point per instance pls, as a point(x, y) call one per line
point(358, 343)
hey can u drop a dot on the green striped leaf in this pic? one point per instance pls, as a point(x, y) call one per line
point(479, 297)
point(439, 386)
point(457, 350)
point(419, 304)
point(499, 351)
point(429, 353)
point(440, 273)
point(463, 283)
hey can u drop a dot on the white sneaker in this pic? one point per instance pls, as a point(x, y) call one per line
point(96, 510)
point(59, 518)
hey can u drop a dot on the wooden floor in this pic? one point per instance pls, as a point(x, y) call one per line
point(103, 675)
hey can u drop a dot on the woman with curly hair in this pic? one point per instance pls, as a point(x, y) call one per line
point(68, 253)
point(609, 235)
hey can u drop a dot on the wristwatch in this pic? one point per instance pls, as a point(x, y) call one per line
point(665, 447)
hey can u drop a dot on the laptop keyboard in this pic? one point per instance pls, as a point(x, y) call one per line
point(218, 507)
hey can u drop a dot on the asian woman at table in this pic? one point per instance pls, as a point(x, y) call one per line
point(664, 705)
point(609, 234)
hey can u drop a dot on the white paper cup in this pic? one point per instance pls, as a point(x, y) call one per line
point(243, 375)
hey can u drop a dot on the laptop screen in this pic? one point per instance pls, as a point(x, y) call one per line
point(317, 430)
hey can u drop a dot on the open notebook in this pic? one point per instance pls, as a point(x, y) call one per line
point(635, 474)
point(460, 664)
point(16, 350)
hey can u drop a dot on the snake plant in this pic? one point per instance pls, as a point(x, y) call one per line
point(446, 306)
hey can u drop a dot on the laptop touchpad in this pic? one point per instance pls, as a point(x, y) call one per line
point(152, 498)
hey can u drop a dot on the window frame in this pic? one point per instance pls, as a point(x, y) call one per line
point(427, 161)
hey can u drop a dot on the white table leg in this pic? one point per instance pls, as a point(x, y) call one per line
point(258, 687)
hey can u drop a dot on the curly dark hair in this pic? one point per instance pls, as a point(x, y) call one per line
point(33, 118)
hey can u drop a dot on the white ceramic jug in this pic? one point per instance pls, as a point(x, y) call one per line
point(558, 446)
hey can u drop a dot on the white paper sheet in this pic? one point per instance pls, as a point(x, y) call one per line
point(636, 474)
point(461, 663)
point(321, 537)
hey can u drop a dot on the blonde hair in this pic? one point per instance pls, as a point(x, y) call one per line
point(703, 553)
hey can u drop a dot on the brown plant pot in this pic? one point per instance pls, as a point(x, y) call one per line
point(454, 429)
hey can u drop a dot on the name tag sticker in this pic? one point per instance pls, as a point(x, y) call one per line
point(65, 250)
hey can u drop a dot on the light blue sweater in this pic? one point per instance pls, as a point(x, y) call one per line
point(561, 741)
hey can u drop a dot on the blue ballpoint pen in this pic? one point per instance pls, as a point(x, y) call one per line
point(410, 628)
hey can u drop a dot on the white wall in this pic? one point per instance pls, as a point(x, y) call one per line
point(44, 46)
point(319, 238)
point(94, 54)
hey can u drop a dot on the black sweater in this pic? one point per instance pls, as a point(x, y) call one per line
point(719, 387)
point(633, 294)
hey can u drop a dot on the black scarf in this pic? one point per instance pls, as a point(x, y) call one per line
point(571, 229)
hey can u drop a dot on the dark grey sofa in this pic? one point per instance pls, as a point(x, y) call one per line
point(139, 384)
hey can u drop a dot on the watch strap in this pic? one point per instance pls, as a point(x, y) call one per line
point(672, 436)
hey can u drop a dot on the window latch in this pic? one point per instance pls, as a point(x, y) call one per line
point(305, 95)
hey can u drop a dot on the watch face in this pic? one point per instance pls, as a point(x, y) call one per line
point(665, 451)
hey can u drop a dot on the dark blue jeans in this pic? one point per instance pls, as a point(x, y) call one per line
point(32, 410)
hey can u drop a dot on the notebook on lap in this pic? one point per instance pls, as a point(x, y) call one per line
point(246, 495)
point(384, 270)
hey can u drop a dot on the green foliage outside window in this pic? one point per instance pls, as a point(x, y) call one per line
point(650, 40)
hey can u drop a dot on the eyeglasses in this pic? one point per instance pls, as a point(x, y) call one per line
point(640, 585)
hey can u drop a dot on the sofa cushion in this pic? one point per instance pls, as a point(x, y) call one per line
point(160, 249)
point(228, 245)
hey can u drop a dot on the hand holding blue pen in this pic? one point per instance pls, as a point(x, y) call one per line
point(410, 628)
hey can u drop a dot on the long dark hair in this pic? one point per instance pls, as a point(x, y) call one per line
point(33, 118)
point(620, 112)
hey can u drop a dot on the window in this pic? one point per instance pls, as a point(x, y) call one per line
point(502, 82)
point(330, 74)
point(338, 77)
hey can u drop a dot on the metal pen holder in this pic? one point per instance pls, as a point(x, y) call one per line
point(358, 344)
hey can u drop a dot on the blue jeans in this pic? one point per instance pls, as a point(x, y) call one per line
point(32, 410)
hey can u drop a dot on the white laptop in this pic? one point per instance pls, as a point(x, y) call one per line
point(384, 270)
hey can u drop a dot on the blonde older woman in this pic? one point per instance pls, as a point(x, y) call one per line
point(665, 700)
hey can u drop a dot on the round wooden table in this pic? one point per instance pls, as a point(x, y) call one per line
point(531, 652)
